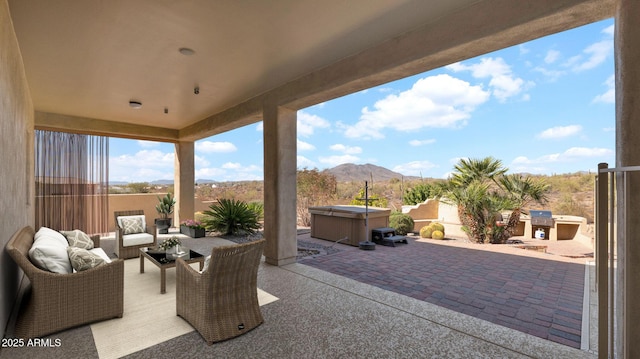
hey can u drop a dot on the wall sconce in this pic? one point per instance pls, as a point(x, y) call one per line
point(135, 104)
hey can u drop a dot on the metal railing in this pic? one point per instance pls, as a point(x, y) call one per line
point(611, 205)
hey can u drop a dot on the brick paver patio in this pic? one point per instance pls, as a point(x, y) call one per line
point(533, 295)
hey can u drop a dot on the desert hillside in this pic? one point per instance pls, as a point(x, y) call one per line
point(571, 194)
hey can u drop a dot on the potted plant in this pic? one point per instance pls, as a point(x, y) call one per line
point(165, 209)
point(192, 228)
point(171, 245)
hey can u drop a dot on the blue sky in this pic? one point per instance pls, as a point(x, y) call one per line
point(543, 107)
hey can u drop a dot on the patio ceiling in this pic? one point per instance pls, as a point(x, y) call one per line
point(86, 59)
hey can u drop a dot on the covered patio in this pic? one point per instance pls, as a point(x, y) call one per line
point(201, 68)
point(321, 314)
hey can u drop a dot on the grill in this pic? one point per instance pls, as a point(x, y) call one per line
point(541, 219)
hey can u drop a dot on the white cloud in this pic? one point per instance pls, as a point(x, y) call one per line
point(435, 101)
point(215, 147)
point(523, 49)
point(559, 132)
point(200, 161)
point(304, 146)
point(338, 160)
point(502, 80)
point(610, 95)
point(415, 168)
point(386, 89)
point(232, 166)
point(552, 56)
point(303, 162)
point(551, 75)
point(417, 143)
point(210, 173)
point(307, 123)
point(594, 54)
point(231, 171)
point(572, 154)
point(346, 149)
point(143, 166)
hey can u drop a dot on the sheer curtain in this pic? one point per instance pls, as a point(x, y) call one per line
point(72, 186)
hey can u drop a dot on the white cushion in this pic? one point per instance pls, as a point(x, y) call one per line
point(141, 216)
point(51, 236)
point(136, 239)
point(99, 251)
point(207, 260)
point(49, 251)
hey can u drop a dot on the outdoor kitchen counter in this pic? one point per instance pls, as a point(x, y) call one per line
point(346, 223)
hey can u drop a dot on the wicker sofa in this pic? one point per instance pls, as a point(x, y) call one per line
point(55, 302)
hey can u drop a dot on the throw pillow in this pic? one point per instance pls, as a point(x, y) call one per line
point(49, 251)
point(52, 258)
point(78, 238)
point(81, 259)
point(207, 260)
point(132, 225)
point(51, 236)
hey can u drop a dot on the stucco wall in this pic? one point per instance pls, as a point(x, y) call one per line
point(16, 156)
point(145, 201)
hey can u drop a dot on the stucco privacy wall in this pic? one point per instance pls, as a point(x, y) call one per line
point(16, 156)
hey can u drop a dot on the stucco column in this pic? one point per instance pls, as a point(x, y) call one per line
point(280, 185)
point(184, 182)
point(627, 55)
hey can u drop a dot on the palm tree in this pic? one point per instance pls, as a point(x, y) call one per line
point(471, 169)
point(481, 190)
point(522, 192)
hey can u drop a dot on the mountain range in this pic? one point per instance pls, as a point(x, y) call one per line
point(347, 172)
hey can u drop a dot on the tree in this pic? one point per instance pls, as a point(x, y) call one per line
point(374, 199)
point(481, 190)
point(314, 188)
point(522, 192)
point(139, 187)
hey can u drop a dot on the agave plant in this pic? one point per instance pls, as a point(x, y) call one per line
point(230, 217)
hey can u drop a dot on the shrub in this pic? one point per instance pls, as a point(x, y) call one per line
point(418, 194)
point(402, 223)
point(374, 199)
point(230, 216)
point(437, 235)
point(426, 232)
point(437, 226)
point(257, 208)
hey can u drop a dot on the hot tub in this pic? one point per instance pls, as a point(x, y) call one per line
point(346, 223)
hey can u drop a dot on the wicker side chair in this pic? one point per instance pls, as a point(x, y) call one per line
point(222, 301)
point(131, 251)
point(55, 302)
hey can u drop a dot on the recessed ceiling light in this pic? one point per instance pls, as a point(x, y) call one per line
point(186, 51)
point(135, 104)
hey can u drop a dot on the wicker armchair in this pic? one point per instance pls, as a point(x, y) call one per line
point(131, 251)
point(55, 301)
point(222, 301)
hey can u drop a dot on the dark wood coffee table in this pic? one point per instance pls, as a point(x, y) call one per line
point(163, 261)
